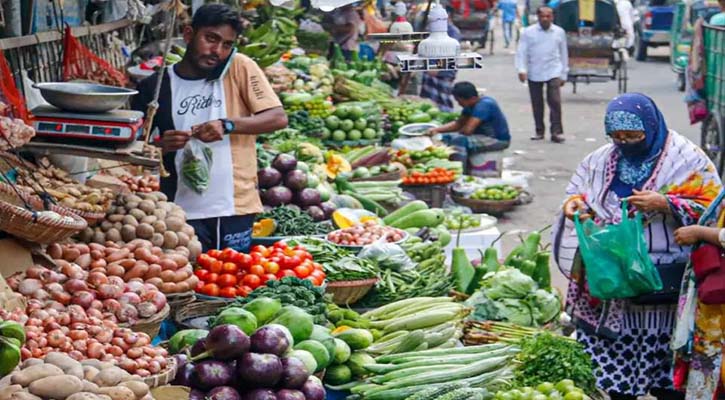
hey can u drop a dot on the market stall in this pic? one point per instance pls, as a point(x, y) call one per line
point(375, 270)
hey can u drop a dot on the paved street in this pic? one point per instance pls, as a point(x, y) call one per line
point(553, 164)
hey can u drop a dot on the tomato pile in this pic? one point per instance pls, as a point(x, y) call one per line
point(229, 273)
point(433, 177)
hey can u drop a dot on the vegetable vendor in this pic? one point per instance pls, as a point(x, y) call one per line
point(671, 181)
point(482, 126)
point(223, 100)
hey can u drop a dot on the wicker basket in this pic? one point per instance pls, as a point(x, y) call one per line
point(493, 207)
point(150, 326)
point(18, 221)
point(164, 377)
point(349, 292)
point(91, 217)
point(196, 310)
point(179, 300)
point(433, 195)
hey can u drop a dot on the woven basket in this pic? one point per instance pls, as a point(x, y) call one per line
point(196, 310)
point(164, 377)
point(349, 292)
point(493, 207)
point(433, 195)
point(178, 300)
point(91, 217)
point(18, 221)
point(150, 326)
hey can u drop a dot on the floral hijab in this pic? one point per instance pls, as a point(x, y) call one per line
point(635, 112)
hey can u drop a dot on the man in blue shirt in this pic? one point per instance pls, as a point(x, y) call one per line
point(481, 128)
point(510, 12)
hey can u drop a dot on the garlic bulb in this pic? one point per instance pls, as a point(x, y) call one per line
point(438, 44)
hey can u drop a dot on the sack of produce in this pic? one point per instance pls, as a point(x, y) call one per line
point(196, 165)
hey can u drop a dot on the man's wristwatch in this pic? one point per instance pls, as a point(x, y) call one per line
point(227, 125)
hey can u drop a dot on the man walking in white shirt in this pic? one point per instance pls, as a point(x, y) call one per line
point(542, 60)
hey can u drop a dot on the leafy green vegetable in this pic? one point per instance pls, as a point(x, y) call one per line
point(551, 358)
point(510, 295)
point(290, 291)
point(196, 166)
point(509, 283)
point(293, 222)
point(286, 140)
point(547, 304)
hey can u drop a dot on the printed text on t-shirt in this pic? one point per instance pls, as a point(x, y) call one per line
point(197, 102)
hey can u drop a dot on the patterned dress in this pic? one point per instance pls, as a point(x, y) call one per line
point(699, 337)
point(630, 343)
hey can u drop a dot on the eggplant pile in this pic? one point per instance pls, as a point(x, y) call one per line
point(289, 182)
point(229, 365)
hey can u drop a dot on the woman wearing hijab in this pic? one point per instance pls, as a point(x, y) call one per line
point(671, 181)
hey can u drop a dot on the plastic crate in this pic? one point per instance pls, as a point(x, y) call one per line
point(433, 195)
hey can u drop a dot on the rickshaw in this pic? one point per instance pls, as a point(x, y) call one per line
point(686, 13)
point(713, 127)
point(474, 18)
point(528, 17)
point(596, 48)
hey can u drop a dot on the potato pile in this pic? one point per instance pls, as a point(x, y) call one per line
point(65, 189)
point(138, 260)
point(60, 377)
point(147, 216)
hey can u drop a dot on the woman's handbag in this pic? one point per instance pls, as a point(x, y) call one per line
point(708, 264)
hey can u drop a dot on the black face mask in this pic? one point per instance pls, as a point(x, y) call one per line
point(631, 150)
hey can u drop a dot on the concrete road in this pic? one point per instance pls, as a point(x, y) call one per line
point(553, 164)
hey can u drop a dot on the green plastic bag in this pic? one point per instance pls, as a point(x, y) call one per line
point(616, 261)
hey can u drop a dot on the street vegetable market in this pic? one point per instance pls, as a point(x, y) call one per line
point(374, 268)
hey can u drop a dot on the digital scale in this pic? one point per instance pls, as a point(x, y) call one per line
point(114, 128)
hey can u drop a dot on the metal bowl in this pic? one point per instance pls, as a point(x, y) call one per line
point(84, 97)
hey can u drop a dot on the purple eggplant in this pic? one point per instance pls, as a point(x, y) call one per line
point(259, 370)
point(225, 342)
point(294, 373)
point(269, 339)
point(223, 393)
point(259, 394)
point(313, 389)
point(211, 373)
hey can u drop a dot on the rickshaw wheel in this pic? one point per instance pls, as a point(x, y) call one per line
point(711, 141)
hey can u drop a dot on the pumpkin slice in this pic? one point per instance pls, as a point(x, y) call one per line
point(264, 228)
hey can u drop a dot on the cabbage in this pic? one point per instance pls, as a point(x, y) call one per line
point(516, 311)
point(509, 284)
point(547, 304)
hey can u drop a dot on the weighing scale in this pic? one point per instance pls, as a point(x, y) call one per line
point(111, 128)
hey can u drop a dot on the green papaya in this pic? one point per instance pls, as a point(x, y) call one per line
point(185, 338)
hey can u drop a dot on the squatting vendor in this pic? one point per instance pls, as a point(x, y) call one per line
point(481, 128)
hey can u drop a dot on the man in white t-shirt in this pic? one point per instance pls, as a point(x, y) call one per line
point(223, 99)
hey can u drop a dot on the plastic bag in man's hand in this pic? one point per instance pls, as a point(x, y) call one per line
point(388, 256)
point(196, 165)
